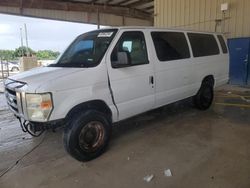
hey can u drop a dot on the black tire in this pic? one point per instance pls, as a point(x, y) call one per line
point(14, 69)
point(204, 98)
point(87, 135)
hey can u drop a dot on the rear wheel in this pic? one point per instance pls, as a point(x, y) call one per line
point(204, 98)
point(87, 135)
point(14, 69)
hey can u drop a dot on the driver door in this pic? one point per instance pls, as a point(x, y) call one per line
point(132, 85)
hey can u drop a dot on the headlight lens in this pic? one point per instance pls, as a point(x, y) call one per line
point(39, 106)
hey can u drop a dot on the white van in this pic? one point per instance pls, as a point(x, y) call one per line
point(9, 66)
point(108, 75)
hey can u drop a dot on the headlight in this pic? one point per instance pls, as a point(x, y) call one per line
point(39, 106)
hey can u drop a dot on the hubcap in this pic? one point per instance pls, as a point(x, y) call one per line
point(91, 136)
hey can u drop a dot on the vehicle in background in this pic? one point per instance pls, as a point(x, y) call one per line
point(45, 63)
point(109, 75)
point(11, 66)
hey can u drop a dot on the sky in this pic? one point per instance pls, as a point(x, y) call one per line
point(42, 33)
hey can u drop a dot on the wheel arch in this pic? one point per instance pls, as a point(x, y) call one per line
point(209, 79)
point(14, 67)
point(98, 105)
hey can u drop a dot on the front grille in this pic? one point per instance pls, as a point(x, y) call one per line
point(14, 108)
point(11, 95)
point(10, 91)
point(11, 99)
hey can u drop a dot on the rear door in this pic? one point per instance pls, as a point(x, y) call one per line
point(133, 85)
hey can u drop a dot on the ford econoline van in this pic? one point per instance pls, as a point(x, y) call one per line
point(109, 75)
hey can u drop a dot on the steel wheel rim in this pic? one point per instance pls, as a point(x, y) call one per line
point(91, 136)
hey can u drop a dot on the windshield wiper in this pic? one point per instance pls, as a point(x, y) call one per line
point(75, 65)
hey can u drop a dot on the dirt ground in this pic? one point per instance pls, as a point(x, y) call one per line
point(206, 149)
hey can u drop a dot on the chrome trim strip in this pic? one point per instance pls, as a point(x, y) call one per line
point(19, 103)
point(25, 113)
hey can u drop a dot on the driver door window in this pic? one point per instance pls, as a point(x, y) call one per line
point(133, 43)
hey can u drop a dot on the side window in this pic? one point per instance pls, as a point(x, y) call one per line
point(170, 45)
point(222, 43)
point(133, 43)
point(203, 44)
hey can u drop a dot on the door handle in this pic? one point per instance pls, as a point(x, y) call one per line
point(151, 79)
point(246, 60)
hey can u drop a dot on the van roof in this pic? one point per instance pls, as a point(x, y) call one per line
point(160, 28)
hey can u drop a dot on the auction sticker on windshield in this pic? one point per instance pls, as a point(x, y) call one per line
point(105, 34)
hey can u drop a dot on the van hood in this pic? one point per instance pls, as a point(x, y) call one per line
point(37, 76)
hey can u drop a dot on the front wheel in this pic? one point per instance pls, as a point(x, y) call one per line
point(204, 98)
point(87, 135)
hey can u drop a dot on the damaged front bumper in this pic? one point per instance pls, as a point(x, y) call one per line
point(15, 96)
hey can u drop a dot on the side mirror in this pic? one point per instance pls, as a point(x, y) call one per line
point(123, 60)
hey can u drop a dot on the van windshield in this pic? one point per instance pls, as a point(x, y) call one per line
point(86, 50)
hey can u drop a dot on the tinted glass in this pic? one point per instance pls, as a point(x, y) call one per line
point(170, 45)
point(132, 42)
point(223, 44)
point(203, 44)
point(87, 50)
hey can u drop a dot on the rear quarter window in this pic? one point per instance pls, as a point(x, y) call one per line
point(222, 43)
point(203, 44)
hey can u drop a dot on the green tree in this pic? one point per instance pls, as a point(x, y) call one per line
point(23, 51)
point(47, 54)
point(7, 55)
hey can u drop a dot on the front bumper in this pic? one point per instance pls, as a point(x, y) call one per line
point(15, 96)
point(36, 128)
